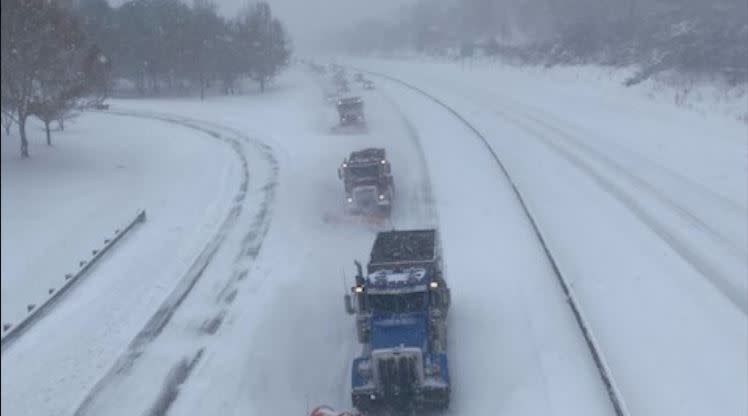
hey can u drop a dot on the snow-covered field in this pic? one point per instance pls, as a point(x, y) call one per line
point(62, 203)
point(701, 96)
point(642, 204)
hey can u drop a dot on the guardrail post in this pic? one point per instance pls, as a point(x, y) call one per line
point(12, 332)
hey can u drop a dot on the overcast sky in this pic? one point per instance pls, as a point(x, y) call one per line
point(307, 20)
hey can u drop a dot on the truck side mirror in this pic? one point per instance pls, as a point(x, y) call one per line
point(349, 305)
point(359, 273)
point(340, 174)
point(446, 297)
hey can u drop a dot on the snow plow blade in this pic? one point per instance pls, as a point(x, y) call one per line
point(328, 411)
point(375, 221)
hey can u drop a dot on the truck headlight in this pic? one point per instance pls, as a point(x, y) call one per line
point(432, 370)
point(384, 161)
point(364, 369)
point(381, 197)
point(349, 200)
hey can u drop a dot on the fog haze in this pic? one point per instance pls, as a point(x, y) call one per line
point(308, 21)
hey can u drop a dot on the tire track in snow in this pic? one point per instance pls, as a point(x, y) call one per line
point(250, 247)
point(718, 278)
point(426, 191)
point(733, 288)
point(565, 129)
point(423, 197)
point(614, 394)
point(657, 193)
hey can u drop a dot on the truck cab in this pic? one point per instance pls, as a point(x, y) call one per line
point(350, 109)
point(368, 183)
point(401, 306)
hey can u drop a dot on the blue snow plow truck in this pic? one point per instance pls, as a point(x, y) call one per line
point(401, 306)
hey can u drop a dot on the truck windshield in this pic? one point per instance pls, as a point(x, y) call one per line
point(399, 303)
point(364, 171)
point(350, 108)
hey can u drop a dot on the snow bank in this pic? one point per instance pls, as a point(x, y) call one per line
point(63, 202)
point(702, 95)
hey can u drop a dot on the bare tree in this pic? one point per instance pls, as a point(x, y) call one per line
point(8, 121)
point(25, 30)
point(205, 33)
point(269, 45)
point(61, 83)
point(41, 53)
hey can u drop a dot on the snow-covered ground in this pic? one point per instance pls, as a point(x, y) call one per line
point(62, 203)
point(637, 207)
point(698, 94)
point(284, 343)
point(644, 205)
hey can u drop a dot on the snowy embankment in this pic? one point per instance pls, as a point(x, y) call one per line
point(698, 94)
point(644, 206)
point(60, 204)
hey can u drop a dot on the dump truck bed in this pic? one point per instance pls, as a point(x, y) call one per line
point(401, 248)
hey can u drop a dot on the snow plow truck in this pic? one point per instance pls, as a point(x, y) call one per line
point(367, 178)
point(351, 111)
point(400, 305)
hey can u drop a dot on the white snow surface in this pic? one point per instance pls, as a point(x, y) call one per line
point(60, 204)
point(64, 201)
point(644, 205)
point(645, 218)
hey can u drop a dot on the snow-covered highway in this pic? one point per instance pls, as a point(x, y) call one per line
point(240, 312)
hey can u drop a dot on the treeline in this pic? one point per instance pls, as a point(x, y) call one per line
point(692, 36)
point(49, 68)
point(166, 46)
point(62, 56)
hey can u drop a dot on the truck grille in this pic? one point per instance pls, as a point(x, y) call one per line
point(365, 195)
point(398, 373)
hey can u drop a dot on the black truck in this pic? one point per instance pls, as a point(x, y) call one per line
point(351, 111)
point(367, 178)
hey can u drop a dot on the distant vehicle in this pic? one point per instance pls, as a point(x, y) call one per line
point(368, 183)
point(351, 111)
point(368, 85)
point(359, 77)
point(101, 106)
point(401, 307)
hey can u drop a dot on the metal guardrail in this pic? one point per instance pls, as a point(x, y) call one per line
point(12, 331)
